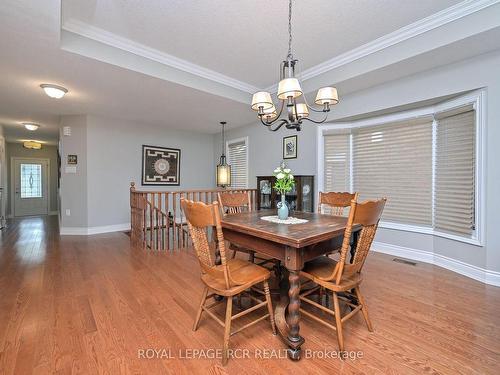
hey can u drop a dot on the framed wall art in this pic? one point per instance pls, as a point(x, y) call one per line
point(290, 147)
point(160, 165)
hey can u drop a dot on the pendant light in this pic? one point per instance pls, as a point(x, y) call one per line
point(223, 169)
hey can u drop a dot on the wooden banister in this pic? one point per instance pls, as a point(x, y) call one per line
point(157, 220)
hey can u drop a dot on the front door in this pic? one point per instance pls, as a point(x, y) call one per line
point(30, 187)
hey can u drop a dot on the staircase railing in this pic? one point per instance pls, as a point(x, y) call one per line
point(157, 220)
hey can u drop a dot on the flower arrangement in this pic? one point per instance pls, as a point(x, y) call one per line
point(284, 180)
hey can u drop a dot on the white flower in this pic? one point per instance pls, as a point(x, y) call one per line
point(286, 170)
point(290, 176)
point(279, 176)
point(277, 170)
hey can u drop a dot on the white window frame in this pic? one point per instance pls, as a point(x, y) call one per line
point(478, 100)
point(238, 140)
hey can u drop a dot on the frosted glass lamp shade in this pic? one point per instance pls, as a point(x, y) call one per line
point(223, 175)
point(54, 91)
point(289, 87)
point(30, 126)
point(262, 99)
point(32, 145)
point(302, 110)
point(327, 95)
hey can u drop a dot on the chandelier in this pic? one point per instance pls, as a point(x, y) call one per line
point(291, 96)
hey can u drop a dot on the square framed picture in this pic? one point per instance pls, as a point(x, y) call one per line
point(72, 159)
point(290, 147)
point(160, 165)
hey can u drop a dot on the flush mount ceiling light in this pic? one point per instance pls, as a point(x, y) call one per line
point(31, 126)
point(289, 92)
point(32, 145)
point(54, 91)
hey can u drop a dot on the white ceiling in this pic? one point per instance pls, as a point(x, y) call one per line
point(247, 39)
point(242, 41)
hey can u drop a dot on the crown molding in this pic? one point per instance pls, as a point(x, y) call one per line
point(105, 37)
point(448, 15)
point(453, 13)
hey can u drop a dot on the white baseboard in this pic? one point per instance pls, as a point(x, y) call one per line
point(73, 231)
point(87, 231)
point(474, 272)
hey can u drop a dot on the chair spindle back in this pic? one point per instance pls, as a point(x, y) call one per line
point(367, 214)
point(200, 218)
point(232, 203)
point(335, 202)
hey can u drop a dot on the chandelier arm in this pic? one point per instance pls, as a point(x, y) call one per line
point(314, 121)
point(282, 122)
point(314, 109)
point(267, 123)
point(281, 109)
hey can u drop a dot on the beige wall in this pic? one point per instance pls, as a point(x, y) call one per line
point(47, 152)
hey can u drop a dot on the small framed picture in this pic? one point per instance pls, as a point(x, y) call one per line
point(72, 159)
point(290, 147)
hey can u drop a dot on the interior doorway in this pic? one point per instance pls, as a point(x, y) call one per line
point(30, 186)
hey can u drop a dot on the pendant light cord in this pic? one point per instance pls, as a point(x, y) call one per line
point(223, 137)
point(290, 56)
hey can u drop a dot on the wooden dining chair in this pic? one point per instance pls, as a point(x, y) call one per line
point(230, 278)
point(341, 276)
point(335, 203)
point(232, 203)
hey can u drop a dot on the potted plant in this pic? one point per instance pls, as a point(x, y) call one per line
point(284, 183)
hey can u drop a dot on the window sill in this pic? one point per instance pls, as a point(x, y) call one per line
point(429, 231)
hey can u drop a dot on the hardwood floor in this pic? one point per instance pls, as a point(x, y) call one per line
point(93, 305)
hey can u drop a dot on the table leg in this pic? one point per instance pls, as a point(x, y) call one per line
point(294, 337)
point(289, 326)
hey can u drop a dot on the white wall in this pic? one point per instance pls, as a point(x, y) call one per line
point(73, 191)
point(114, 159)
point(3, 175)
point(481, 71)
point(478, 72)
point(109, 158)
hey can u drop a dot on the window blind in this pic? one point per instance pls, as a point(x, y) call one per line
point(395, 161)
point(237, 158)
point(337, 162)
point(455, 174)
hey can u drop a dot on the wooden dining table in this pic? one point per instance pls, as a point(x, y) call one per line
point(293, 245)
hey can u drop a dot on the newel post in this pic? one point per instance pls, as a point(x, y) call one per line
point(133, 213)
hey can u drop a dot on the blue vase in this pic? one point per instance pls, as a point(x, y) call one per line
point(282, 208)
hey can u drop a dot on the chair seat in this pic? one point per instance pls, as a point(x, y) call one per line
point(244, 273)
point(320, 270)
